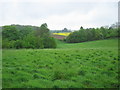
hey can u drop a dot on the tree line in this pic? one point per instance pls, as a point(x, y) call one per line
point(21, 36)
point(17, 36)
point(91, 34)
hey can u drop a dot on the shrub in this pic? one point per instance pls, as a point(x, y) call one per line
point(18, 44)
point(49, 42)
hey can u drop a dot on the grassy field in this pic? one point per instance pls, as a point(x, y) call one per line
point(103, 44)
point(82, 65)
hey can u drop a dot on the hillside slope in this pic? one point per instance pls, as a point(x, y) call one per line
point(108, 43)
point(82, 65)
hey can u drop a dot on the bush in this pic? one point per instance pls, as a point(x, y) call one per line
point(18, 44)
point(7, 44)
point(49, 42)
point(39, 43)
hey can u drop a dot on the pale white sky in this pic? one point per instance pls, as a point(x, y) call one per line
point(59, 14)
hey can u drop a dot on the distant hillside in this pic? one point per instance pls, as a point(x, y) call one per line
point(61, 31)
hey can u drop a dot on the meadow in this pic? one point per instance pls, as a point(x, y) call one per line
point(91, 64)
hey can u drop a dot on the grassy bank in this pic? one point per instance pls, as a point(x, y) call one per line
point(81, 65)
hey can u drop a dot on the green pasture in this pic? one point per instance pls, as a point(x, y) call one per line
point(81, 65)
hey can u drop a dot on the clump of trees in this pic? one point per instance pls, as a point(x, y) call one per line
point(16, 36)
point(91, 34)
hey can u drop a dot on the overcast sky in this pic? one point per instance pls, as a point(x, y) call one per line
point(59, 14)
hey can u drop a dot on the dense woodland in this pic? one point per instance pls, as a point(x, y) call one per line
point(92, 34)
point(21, 36)
point(16, 36)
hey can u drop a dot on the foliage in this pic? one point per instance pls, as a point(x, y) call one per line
point(10, 32)
point(92, 34)
point(15, 36)
point(43, 31)
point(18, 44)
point(49, 42)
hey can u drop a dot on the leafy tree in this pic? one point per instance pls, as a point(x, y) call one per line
point(43, 31)
point(49, 42)
point(81, 28)
point(39, 43)
point(83, 35)
point(73, 37)
point(10, 32)
point(98, 34)
point(18, 44)
point(7, 44)
point(92, 34)
point(25, 31)
point(44, 34)
point(104, 32)
point(29, 41)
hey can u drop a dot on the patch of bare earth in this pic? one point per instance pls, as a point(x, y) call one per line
point(59, 37)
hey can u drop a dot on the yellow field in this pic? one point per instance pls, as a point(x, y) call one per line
point(63, 34)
